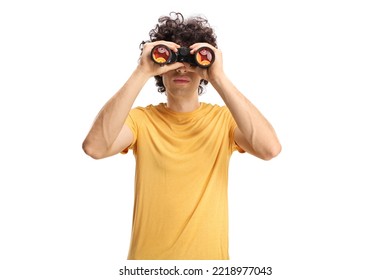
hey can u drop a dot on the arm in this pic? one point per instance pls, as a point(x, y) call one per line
point(253, 133)
point(109, 135)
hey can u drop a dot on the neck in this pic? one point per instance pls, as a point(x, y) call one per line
point(182, 104)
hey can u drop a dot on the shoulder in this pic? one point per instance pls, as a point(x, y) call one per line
point(213, 107)
point(140, 115)
point(145, 109)
point(216, 109)
point(142, 111)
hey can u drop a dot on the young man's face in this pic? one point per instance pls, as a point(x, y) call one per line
point(183, 81)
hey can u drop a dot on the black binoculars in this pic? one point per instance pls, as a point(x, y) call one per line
point(203, 57)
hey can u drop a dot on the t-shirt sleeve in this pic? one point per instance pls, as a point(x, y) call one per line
point(132, 122)
point(235, 146)
point(232, 127)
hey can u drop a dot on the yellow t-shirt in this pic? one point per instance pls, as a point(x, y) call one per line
point(181, 178)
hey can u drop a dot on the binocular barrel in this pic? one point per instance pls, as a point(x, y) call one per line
point(203, 57)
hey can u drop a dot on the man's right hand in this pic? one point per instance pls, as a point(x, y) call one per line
point(147, 66)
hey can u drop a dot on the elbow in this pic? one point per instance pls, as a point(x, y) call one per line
point(271, 152)
point(274, 151)
point(91, 151)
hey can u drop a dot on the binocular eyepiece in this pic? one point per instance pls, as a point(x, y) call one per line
point(203, 57)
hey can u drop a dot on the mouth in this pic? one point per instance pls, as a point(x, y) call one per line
point(181, 80)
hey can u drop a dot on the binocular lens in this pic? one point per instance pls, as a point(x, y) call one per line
point(204, 57)
point(161, 54)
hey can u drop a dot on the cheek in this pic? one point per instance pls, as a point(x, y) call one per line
point(198, 81)
point(164, 79)
point(195, 78)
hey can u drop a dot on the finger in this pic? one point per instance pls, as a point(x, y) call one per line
point(169, 67)
point(197, 46)
point(172, 45)
point(189, 67)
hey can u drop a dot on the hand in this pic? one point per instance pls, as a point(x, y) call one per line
point(149, 67)
point(215, 70)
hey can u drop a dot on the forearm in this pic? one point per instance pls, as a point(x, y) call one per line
point(259, 136)
point(112, 116)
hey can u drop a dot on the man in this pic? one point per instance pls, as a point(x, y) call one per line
point(182, 147)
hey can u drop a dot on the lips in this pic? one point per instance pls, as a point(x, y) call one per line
point(181, 80)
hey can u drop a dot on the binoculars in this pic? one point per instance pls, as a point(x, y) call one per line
point(203, 57)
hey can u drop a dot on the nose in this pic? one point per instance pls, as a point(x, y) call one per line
point(181, 70)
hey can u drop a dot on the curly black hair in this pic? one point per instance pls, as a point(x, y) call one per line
point(185, 32)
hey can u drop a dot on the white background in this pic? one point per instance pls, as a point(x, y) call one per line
point(318, 70)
